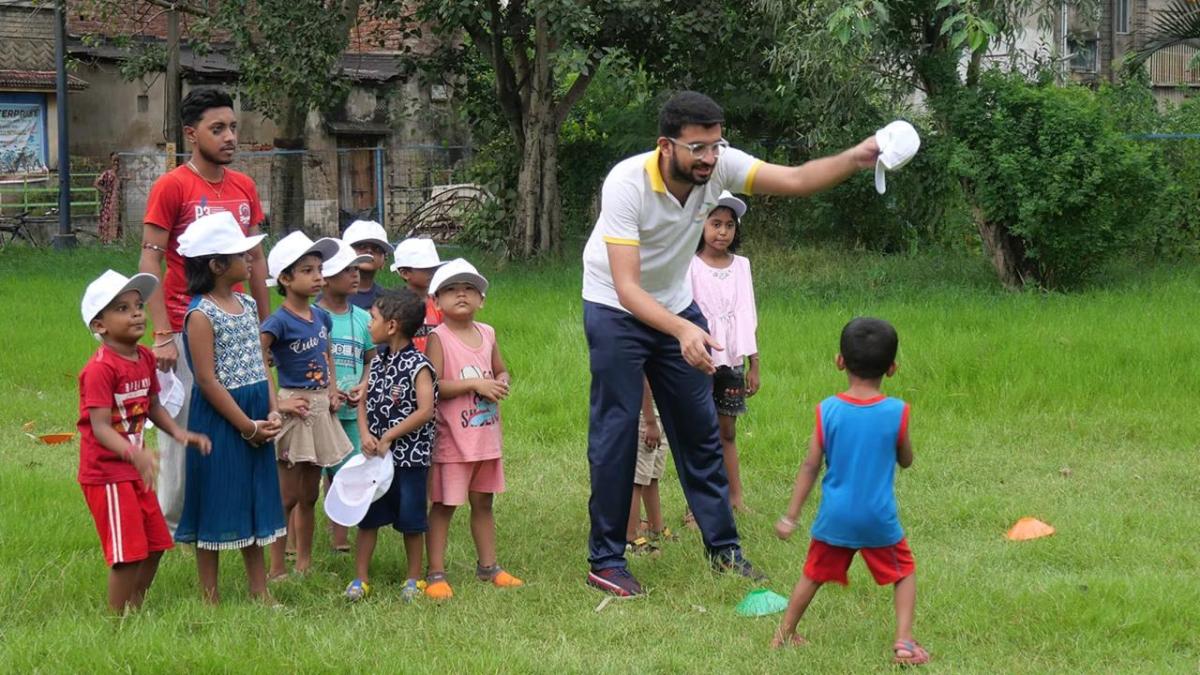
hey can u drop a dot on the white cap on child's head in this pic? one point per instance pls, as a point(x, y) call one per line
point(345, 257)
point(419, 254)
point(215, 234)
point(367, 231)
point(458, 271)
point(111, 284)
point(730, 202)
point(294, 247)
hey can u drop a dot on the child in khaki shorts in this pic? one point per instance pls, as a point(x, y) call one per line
point(651, 461)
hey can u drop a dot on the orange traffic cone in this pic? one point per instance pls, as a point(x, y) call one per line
point(1029, 528)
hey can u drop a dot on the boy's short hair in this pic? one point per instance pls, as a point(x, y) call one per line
point(688, 107)
point(869, 346)
point(199, 100)
point(404, 307)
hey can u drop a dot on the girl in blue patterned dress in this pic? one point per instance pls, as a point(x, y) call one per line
point(231, 498)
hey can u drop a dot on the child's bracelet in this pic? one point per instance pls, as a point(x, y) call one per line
point(252, 433)
point(787, 521)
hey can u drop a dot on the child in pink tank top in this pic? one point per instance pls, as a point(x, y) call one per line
point(467, 464)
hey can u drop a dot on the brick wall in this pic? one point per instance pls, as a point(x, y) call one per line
point(26, 38)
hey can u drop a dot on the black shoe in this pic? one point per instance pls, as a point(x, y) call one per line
point(731, 561)
point(615, 580)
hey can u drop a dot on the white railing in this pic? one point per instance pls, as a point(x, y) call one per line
point(1170, 67)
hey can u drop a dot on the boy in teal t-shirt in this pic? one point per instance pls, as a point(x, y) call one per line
point(352, 352)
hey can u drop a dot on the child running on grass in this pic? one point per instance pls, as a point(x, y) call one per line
point(352, 351)
point(416, 262)
point(724, 292)
point(231, 498)
point(397, 416)
point(861, 435)
point(467, 464)
point(367, 237)
point(651, 461)
point(118, 392)
point(297, 335)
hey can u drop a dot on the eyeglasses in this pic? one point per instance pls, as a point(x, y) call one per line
point(702, 149)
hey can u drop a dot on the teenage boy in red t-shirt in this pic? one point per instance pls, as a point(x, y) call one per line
point(118, 392)
point(201, 186)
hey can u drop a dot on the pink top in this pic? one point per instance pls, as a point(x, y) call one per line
point(726, 298)
point(468, 426)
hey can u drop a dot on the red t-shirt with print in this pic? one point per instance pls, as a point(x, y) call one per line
point(110, 380)
point(180, 197)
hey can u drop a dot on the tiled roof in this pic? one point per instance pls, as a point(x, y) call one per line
point(36, 80)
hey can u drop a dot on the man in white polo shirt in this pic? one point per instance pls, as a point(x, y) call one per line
point(639, 318)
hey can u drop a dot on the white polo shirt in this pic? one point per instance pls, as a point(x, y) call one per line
point(637, 210)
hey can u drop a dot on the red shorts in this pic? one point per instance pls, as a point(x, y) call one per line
point(450, 482)
point(128, 519)
point(888, 564)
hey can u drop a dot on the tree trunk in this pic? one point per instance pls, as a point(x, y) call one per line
point(287, 199)
point(539, 209)
point(1006, 252)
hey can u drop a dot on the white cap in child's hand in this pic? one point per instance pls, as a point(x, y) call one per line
point(360, 481)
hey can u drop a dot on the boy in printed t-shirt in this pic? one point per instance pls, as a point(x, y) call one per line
point(861, 435)
point(118, 392)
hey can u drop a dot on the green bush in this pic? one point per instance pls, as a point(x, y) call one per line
point(1048, 168)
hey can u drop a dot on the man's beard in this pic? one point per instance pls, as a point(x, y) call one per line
point(679, 173)
point(213, 160)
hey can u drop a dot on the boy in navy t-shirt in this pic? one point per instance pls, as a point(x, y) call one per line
point(861, 435)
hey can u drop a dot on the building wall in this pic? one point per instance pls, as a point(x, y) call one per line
point(26, 37)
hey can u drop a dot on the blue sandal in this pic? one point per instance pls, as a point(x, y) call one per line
point(357, 590)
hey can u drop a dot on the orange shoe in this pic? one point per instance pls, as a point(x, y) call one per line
point(498, 577)
point(437, 587)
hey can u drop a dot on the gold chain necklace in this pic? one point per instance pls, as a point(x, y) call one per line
point(216, 186)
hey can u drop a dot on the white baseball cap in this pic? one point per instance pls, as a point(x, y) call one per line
point(215, 234)
point(294, 247)
point(455, 271)
point(419, 254)
point(729, 201)
point(360, 481)
point(898, 143)
point(367, 231)
point(345, 257)
point(108, 286)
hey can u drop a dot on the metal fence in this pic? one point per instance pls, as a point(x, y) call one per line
point(383, 183)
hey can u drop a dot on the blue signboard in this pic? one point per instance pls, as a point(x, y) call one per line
point(22, 137)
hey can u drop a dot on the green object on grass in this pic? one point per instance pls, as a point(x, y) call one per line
point(761, 602)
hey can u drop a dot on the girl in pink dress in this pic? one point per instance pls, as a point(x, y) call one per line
point(723, 290)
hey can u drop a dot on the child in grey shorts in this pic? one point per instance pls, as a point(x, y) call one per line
point(644, 536)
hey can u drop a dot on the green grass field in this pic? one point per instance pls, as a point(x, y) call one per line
point(1079, 409)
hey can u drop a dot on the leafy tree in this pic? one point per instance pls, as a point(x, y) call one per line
point(544, 54)
point(286, 51)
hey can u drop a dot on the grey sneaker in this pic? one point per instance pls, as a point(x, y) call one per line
point(731, 561)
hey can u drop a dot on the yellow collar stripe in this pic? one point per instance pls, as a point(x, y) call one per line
point(656, 179)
